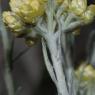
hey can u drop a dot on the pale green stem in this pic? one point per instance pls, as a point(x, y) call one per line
point(6, 46)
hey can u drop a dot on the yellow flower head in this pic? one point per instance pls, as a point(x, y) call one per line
point(28, 10)
point(86, 72)
point(80, 9)
point(89, 14)
point(78, 6)
point(13, 22)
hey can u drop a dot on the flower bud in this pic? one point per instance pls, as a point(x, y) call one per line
point(78, 6)
point(76, 32)
point(13, 22)
point(89, 14)
point(28, 10)
point(30, 41)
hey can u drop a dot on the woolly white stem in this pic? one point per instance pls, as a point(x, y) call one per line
point(48, 64)
point(56, 57)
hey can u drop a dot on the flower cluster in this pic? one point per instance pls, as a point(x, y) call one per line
point(29, 12)
point(23, 12)
point(81, 9)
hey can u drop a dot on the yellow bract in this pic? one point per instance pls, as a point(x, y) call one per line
point(28, 10)
point(13, 21)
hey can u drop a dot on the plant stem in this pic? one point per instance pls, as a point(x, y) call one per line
point(69, 70)
point(7, 71)
point(56, 57)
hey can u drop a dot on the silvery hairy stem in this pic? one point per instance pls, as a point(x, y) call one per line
point(57, 61)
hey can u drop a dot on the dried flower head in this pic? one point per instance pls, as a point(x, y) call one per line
point(78, 6)
point(84, 12)
point(89, 14)
point(13, 22)
point(28, 10)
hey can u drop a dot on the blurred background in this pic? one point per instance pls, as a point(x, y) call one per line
point(29, 71)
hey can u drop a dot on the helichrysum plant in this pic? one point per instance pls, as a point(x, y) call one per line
point(56, 23)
